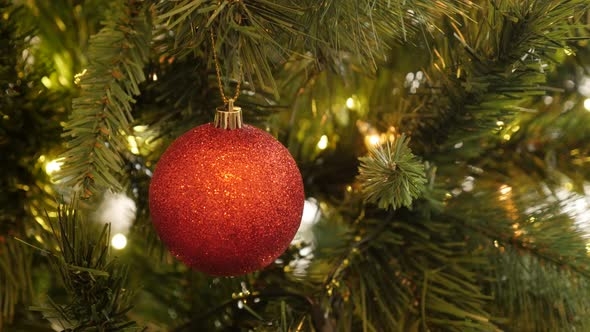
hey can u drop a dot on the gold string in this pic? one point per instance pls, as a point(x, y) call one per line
point(218, 72)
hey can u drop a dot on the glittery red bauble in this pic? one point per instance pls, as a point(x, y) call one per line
point(226, 202)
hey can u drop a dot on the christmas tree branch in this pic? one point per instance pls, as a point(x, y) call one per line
point(491, 66)
point(95, 283)
point(265, 295)
point(533, 296)
point(27, 129)
point(99, 123)
point(16, 263)
point(261, 34)
point(548, 156)
point(407, 286)
point(391, 176)
point(532, 253)
point(529, 221)
point(365, 28)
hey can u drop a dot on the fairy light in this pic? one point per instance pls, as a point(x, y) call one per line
point(53, 166)
point(350, 103)
point(133, 144)
point(505, 191)
point(323, 142)
point(78, 76)
point(140, 128)
point(119, 241)
point(374, 139)
point(47, 82)
point(587, 104)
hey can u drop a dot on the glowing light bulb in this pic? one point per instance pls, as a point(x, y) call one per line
point(587, 104)
point(505, 189)
point(374, 139)
point(53, 166)
point(119, 241)
point(323, 143)
point(47, 82)
point(140, 129)
point(133, 144)
point(350, 103)
point(78, 76)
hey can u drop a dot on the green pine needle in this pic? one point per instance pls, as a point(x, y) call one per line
point(97, 286)
point(391, 175)
point(100, 121)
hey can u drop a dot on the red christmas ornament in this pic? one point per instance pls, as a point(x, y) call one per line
point(226, 201)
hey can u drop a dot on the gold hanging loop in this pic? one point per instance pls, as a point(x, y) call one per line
point(228, 116)
point(218, 73)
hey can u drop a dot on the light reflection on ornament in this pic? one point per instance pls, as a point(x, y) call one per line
point(119, 241)
point(587, 104)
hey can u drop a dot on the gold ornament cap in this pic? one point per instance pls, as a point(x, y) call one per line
point(228, 116)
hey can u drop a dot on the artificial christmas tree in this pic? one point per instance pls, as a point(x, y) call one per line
point(443, 148)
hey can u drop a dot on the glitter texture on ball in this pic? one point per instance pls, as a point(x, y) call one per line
point(226, 202)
